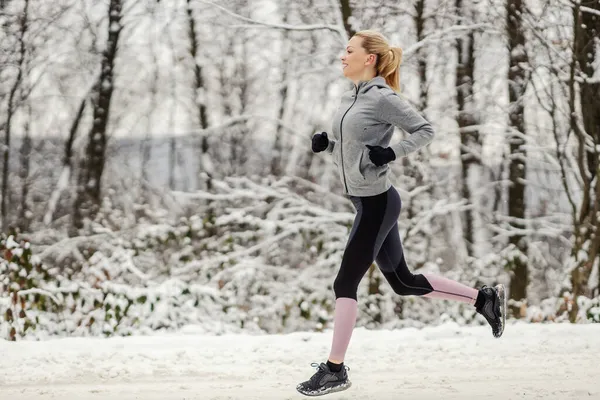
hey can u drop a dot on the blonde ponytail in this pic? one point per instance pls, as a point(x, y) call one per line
point(389, 67)
point(388, 58)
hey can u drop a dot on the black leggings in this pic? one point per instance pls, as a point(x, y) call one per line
point(374, 236)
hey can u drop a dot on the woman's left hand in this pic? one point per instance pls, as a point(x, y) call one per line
point(380, 155)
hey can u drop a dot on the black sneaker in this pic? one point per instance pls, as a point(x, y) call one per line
point(494, 308)
point(325, 381)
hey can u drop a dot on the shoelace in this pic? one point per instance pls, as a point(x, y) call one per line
point(314, 380)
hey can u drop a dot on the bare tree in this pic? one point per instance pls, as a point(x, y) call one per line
point(12, 103)
point(204, 173)
point(25, 153)
point(346, 10)
point(586, 248)
point(518, 77)
point(88, 198)
point(67, 164)
point(235, 76)
point(146, 142)
point(276, 162)
point(241, 135)
point(308, 157)
point(420, 19)
point(470, 141)
point(173, 156)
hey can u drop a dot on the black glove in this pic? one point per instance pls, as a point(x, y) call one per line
point(320, 142)
point(380, 156)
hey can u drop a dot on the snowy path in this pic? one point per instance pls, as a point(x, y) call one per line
point(447, 362)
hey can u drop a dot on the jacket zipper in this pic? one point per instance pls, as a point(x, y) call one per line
point(342, 140)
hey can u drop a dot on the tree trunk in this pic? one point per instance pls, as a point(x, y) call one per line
point(146, 142)
point(88, 199)
point(517, 84)
point(226, 159)
point(276, 161)
point(171, 134)
point(10, 114)
point(586, 249)
point(243, 131)
point(67, 165)
point(470, 142)
point(172, 161)
point(423, 155)
point(308, 155)
point(25, 152)
point(419, 21)
point(346, 9)
point(204, 172)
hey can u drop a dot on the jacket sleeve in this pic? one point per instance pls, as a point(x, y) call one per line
point(396, 111)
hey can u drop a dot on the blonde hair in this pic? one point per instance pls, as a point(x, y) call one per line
point(388, 58)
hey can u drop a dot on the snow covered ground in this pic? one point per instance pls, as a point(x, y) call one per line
point(557, 361)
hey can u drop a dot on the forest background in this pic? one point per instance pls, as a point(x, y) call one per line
point(157, 171)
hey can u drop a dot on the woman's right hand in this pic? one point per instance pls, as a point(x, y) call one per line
point(319, 142)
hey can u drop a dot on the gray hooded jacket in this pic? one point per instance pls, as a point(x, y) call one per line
point(367, 116)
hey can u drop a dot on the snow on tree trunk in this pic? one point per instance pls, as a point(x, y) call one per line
point(346, 10)
point(419, 165)
point(146, 142)
point(276, 161)
point(517, 84)
point(88, 198)
point(470, 141)
point(25, 152)
point(298, 153)
point(584, 78)
point(65, 175)
point(204, 172)
point(172, 161)
point(419, 21)
point(242, 134)
point(308, 156)
point(23, 20)
point(172, 157)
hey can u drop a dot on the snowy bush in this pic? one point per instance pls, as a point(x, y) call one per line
point(258, 255)
point(21, 277)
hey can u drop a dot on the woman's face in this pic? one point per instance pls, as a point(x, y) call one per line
point(356, 60)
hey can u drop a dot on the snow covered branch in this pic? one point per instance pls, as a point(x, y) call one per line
point(581, 8)
point(448, 33)
point(314, 27)
point(39, 291)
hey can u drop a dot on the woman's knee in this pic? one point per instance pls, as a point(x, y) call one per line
point(409, 284)
point(344, 288)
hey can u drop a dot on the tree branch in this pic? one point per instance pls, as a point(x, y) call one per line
point(332, 28)
point(444, 34)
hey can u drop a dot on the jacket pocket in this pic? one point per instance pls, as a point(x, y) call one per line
point(336, 154)
point(370, 171)
point(365, 165)
point(357, 159)
point(362, 164)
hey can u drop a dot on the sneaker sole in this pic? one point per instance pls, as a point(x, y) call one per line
point(338, 388)
point(501, 290)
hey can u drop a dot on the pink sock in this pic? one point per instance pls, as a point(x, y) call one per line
point(346, 310)
point(450, 290)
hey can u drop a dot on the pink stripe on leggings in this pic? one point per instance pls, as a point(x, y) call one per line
point(346, 310)
point(450, 290)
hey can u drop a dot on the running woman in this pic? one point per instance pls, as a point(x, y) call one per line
point(362, 128)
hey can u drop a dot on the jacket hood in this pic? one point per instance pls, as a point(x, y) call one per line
point(364, 86)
